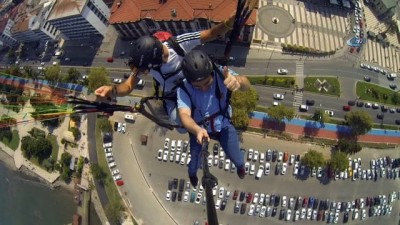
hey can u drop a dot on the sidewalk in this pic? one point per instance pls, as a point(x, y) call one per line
point(299, 128)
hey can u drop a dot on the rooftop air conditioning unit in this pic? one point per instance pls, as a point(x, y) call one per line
point(173, 12)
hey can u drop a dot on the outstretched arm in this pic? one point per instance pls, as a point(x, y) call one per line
point(217, 30)
point(191, 125)
point(120, 90)
point(234, 83)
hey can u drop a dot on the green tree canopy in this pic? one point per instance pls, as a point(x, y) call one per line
point(75, 131)
point(97, 171)
point(348, 146)
point(104, 124)
point(243, 103)
point(339, 161)
point(313, 159)
point(66, 159)
point(359, 121)
point(52, 74)
point(40, 148)
point(97, 78)
point(72, 76)
point(396, 98)
point(280, 112)
point(319, 116)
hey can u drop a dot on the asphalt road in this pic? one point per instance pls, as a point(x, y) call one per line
point(146, 180)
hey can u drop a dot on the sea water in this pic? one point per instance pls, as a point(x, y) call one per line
point(25, 201)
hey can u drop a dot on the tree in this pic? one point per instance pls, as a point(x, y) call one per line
point(97, 78)
point(97, 171)
point(280, 112)
point(52, 74)
point(396, 98)
point(75, 131)
point(319, 116)
point(243, 103)
point(72, 76)
point(65, 174)
point(27, 146)
point(42, 148)
point(359, 121)
point(339, 161)
point(313, 159)
point(65, 159)
point(104, 124)
point(348, 146)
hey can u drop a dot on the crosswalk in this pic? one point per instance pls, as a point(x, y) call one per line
point(298, 96)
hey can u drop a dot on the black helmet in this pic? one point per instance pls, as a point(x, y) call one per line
point(196, 66)
point(146, 53)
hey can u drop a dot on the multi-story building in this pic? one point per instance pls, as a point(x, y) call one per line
point(134, 18)
point(384, 9)
point(6, 23)
point(31, 25)
point(79, 19)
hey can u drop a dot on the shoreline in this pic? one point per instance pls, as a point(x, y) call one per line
point(27, 174)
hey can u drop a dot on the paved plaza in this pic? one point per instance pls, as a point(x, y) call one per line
point(304, 24)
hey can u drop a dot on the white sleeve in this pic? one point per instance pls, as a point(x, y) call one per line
point(189, 41)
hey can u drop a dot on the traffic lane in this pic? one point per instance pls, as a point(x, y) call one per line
point(266, 95)
point(143, 198)
point(265, 67)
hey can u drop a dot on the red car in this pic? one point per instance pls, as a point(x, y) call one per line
point(120, 182)
point(110, 60)
point(346, 108)
point(249, 197)
point(235, 195)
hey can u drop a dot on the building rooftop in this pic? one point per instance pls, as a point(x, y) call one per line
point(125, 11)
point(66, 8)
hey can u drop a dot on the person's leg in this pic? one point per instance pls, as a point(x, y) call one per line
point(230, 144)
point(173, 115)
point(195, 150)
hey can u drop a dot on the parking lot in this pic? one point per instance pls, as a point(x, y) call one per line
point(154, 175)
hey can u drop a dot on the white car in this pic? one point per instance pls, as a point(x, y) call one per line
point(251, 210)
point(168, 195)
point(173, 145)
point(284, 201)
point(171, 156)
point(117, 177)
point(246, 167)
point(160, 154)
point(288, 214)
point(250, 154)
point(283, 71)
point(166, 143)
point(284, 168)
point(252, 169)
point(165, 156)
point(123, 128)
point(198, 198)
point(279, 96)
point(280, 156)
point(183, 158)
point(186, 196)
point(117, 80)
point(109, 154)
point(260, 172)
point(221, 192)
point(267, 168)
point(218, 203)
point(177, 156)
point(106, 150)
point(227, 164)
point(296, 168)
point(255, 156)
point(275, 103)
point(115, 172)
point(329, 112)
point(112, 164)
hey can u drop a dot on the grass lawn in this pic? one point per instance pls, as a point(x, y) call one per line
point(331, 83)
point(54, 151)
point(375, 93)
point(13, 144)
point(277, 81)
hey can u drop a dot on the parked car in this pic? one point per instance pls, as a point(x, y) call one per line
point(346, 108)
point(110, 60)
point(329, 112)
point(310, 102)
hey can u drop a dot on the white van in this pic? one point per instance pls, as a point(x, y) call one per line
point(391, 76)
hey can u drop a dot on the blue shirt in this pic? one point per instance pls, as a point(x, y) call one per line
point(205, 103)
